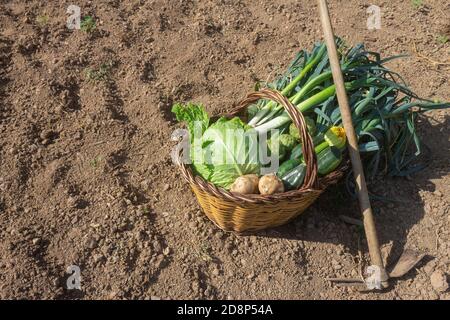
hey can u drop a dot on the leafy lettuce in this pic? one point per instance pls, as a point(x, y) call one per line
point(222, 151)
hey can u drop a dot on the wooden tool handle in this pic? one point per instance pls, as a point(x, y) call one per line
point(363, 196)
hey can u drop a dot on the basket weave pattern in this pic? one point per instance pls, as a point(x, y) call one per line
point(252, 212)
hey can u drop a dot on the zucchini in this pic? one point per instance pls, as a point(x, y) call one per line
point(292, 172)
point(287, 166)
point(318, 138)
point(319, 148)
point(294, 178)
point(297, 152)
point(328, 160)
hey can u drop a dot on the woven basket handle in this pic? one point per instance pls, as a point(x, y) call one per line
point(309, 155)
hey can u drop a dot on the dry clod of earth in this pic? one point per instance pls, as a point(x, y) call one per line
point(439, 281)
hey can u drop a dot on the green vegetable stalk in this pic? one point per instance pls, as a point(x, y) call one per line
point(384, 112)
point(384, 109)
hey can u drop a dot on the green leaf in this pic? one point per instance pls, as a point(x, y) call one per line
point(195, 117)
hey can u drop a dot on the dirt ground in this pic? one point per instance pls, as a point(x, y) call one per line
point(86, 176)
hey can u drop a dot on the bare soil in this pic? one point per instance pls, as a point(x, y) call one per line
point(86, 176)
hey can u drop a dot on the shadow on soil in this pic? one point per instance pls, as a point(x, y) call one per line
point(321, 222)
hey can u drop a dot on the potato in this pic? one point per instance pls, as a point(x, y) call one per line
point(255, 180)
point(246, 184)
point(270, 184)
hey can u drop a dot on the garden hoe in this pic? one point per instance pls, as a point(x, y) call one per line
point(379, 277)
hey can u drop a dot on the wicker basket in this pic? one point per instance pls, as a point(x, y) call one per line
point(244, 212)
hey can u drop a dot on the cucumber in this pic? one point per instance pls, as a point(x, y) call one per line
point(287, 166)
point(294, 178)
point(328, 160)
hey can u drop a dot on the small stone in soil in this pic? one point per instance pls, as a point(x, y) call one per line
point(192, 225)
point(195, 286)
point(216, 272)
point(72, 202)
point(91, 243)
point(219, 235)
point(438, 281)
point(98, 257)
